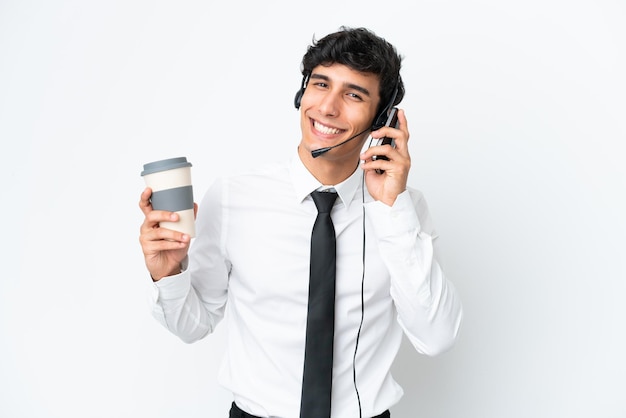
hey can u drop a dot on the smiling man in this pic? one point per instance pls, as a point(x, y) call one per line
point(254, 261)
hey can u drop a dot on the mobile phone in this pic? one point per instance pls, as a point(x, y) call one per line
point(392, 120)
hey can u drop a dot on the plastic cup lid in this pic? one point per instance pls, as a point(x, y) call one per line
point(163, 165)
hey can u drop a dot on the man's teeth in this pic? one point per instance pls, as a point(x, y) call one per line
point(325, 129)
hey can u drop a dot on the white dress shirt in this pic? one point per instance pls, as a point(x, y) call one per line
point(250, 264)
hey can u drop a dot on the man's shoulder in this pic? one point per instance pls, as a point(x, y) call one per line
point(267, 172)
point(265, 177)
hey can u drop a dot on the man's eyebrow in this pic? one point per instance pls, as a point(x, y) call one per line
point(358, 88)
point(348, 85)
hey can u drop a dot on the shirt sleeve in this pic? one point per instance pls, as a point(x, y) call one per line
point(192, 303)
point(428, 306)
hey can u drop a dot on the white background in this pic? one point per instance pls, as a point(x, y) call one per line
point(517, 117)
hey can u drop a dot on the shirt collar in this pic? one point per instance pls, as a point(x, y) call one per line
point(304, 183)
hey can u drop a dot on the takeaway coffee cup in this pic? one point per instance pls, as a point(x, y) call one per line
point(170, 181)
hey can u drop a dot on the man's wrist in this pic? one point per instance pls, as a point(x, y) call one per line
point(174, 272)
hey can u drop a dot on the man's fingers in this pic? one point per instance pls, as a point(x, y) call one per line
point(158, 242)
point(155, 239)
point(155, 217)
point(144, 201)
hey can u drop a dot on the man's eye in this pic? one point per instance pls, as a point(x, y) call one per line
point(320, 84)
point(355, 96)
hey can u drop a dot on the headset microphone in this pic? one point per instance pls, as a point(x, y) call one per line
point(317, 152)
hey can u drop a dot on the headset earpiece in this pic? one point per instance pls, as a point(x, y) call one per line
point(298, 98)
point(300, 93)
point(381, 118)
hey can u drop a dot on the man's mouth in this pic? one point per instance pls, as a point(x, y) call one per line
point(326, 130)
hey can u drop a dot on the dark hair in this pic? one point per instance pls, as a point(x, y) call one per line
point(361, 50)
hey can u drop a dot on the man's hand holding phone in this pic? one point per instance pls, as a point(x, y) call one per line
point(387, 161)
point(392, 121)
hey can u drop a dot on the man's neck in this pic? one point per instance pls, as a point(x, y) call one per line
point(328, 170)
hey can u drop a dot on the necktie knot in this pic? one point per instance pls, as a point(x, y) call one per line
point(324, 201)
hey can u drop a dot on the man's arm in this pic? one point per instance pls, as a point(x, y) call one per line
point(190, 301)
point(429, 308)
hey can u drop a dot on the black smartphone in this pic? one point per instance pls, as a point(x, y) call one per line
point(392, 120)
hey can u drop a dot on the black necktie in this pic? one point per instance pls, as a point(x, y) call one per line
point(320, 326)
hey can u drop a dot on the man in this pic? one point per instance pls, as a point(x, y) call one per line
point(250, 261)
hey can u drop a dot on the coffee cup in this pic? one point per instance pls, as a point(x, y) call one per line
point(170, 181)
